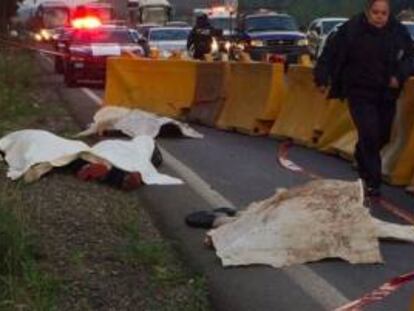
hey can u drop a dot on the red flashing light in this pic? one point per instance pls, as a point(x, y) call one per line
point(88, 22)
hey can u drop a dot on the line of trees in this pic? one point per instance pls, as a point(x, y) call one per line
point(303, 10)
point(307, 10)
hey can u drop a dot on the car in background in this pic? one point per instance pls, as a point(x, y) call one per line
point(167, 40)
point(143, 29)
point(177, 24)
point(62, 37)
point(325, 40)
point(87, 49)
point(408, 24)
point(318, 31)
point(268, 33)
point(410, 28)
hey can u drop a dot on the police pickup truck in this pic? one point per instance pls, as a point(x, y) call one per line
point(269, 33)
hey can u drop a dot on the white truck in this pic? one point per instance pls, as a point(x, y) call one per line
point(41, 20)
point(149, 12)
point(221, 17)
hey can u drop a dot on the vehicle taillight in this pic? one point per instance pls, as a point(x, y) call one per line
point(86, 23)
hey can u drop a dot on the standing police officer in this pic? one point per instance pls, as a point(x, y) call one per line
point(201, 37)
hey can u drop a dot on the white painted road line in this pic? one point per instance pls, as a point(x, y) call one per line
point(88, 92)
point(96, 99)
point(201, 187)
point(47, 59)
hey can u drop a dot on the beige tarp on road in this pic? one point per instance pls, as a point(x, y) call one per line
point(134, 122)
point(322, 219)
point(33, 153)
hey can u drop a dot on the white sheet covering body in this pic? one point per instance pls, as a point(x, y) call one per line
point(32, 153)
point(322, 219)
point(134, 122)
point(131, 156)
point(27, 148)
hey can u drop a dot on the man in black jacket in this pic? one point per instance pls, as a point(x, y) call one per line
point(367, 63)
point(201, 37)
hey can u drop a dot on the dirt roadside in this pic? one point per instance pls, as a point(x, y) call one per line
point(98, 244)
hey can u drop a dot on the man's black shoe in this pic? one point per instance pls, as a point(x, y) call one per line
point(372, 192)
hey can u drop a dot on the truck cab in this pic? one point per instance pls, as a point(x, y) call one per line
point(149, 12)
point(224, 19)
point(267, 33)
point(47, 18)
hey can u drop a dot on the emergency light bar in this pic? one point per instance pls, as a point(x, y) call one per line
point(89, 22)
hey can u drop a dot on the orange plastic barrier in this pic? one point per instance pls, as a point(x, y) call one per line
point(165, 87)
point(398, 158)
point(210, 93)
point(337, 130)
point(303, 108)
point(254, 95)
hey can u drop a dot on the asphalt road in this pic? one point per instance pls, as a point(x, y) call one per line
point(243, 169)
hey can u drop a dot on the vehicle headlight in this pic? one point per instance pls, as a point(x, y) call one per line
point(154, 52)
point(303, 42)
point(257, 43)
point(241, 46)
point(214, 46)
point(45, 34)
point(38, 37)
point(166, 54)
point(227, 46)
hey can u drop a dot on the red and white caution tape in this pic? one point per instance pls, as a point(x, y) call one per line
point(285, 162)
point(379, 293)
point(30, 48)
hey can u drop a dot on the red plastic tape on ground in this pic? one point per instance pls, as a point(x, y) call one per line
point(378, 294)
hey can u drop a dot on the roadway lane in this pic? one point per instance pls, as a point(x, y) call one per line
point(244, 169)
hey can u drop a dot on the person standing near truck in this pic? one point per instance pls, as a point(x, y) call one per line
point(367, 63)
point(200, 38)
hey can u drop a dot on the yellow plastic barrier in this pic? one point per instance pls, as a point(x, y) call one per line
point(403, 171)
point(270, 111)
point(303, 108)
point(254, 96)
point(305, 60)
point(398, 158)
point(337, 130)
point(210, 93)
point(165, 87)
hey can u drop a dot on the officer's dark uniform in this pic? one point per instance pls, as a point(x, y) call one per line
point(201, 37)
point(358, 63)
